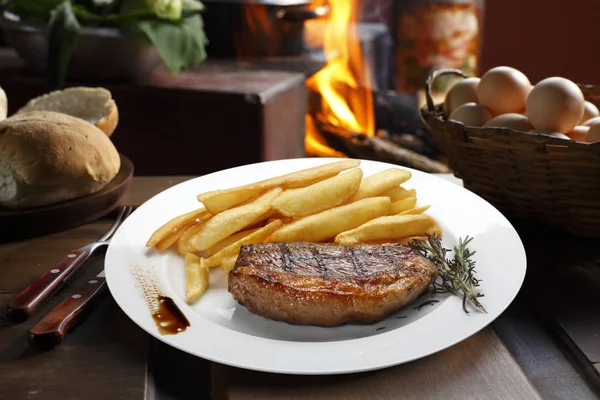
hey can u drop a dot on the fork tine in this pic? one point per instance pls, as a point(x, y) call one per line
point(123, 214)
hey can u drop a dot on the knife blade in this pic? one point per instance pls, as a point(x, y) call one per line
point(52, 329)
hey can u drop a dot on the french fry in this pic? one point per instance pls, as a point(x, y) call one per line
point(175, 225)
point(319, 197)
point(196, 277)
point(415, 211)
point(233, 220)
point(228, 262)
point(403, 205)
point(220, 200)
point(284, 220)
point(327, 224)
point(391, 228)
point(225, 200)
point(214, 249)
point(380, 183)
point(184, 242)
point(172, 237)
point(400, 193)
point(310, 176)
point(175, 236)
point(257, 236)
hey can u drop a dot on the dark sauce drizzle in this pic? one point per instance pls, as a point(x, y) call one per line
point(169, 319)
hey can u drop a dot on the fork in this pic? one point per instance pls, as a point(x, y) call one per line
point(23, 305)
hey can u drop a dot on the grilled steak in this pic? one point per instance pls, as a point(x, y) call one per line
point(328, 284)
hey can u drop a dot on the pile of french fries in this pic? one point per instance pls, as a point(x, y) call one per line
point(328, 203)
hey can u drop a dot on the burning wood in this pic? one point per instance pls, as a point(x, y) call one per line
point(357, 145)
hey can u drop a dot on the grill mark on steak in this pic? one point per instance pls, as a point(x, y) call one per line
point(319, 261)
point(285, 257)
point(355, 262)
point(328, 284)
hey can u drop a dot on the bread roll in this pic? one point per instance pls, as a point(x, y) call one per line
point(94, 105)
point(3, 105)
point(48, 157)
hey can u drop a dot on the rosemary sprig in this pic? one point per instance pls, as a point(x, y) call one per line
point(457, 274)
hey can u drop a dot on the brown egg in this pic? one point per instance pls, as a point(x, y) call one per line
point(593, 135)
point(461, 93)
point(589, 111)
point(578, 133)
point(471, 114)
point(518, 122)
point(591, 121)
point(503, 90)
point(555, 104)
point(550, 133)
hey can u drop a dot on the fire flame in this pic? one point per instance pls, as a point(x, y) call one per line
point(344, 83)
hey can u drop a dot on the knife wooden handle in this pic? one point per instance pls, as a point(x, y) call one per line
point(25, 303)
point(52, 329)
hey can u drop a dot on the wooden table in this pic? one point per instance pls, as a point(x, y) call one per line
point(108, 357)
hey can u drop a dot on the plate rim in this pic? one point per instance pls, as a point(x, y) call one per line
point(303, 371)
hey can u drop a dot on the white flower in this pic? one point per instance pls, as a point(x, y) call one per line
point(170, 9)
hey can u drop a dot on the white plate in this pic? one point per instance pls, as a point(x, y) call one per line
point(225, 332)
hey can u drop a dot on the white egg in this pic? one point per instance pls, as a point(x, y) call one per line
point(461, 93)
point(593, 135)
point(548, 132)
point(578, 133)
point(555, 104)
point(471, 114)
point(591, 121)
point(589, 111)
point(503, 90)
point(518, 122)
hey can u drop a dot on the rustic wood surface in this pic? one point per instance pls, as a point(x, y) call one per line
point(105, 357)
point(108, 357)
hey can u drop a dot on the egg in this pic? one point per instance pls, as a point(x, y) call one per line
point(471, 114)
point(518, 122)
point(503, 90)
point(591, 121)
point(593, 135)
point(549, 132)
point(555, 104)
point(461, 93)
point(578, 133)
point(589, 111)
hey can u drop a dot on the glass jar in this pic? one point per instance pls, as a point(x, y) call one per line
point(433, 34)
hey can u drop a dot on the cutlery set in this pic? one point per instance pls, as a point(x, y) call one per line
point(52, 328)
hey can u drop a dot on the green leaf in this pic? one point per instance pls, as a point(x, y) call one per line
point(167, 9)
point(63, 36)
point(192, 5)
point(180, 45)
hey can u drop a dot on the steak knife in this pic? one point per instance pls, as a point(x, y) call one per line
point(23, 305)
point(52, 329)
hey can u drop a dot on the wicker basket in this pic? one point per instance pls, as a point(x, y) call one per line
point(529, 177)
